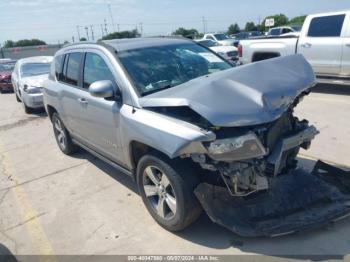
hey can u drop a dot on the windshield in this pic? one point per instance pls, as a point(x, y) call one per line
point(34, 69)
point(221, 37)
point(208, 43)
point(155, 68)
point(7, 67)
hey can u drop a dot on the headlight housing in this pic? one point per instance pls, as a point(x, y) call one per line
point(31, 89)
point(237, 148)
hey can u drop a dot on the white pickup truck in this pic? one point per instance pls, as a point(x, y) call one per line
point(324, 41)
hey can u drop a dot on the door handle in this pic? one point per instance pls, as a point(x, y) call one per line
point(306, 45)
point(83, 101)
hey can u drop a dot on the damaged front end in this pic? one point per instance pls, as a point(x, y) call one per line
point(251, 182)
point(262, 192)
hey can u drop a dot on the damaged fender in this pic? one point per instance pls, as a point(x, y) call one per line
point(171, 136)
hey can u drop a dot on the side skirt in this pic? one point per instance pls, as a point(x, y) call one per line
point(104, 159)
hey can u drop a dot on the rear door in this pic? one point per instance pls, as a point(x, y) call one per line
point(322, 43)
point(71, 92)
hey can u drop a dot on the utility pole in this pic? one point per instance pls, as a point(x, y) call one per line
point(204, 25)
point(118, 27)
point(87, 33)
point(141, 29)
point(73, 38)
point(110, 12)
point(106, 27)
point(78, 32)
point(92, 33)
point(102, 34)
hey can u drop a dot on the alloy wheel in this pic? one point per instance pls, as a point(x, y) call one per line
point(61, 136)
point(159, 192)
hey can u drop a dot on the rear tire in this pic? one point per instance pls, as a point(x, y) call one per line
point(170, 200)
point(63, 138)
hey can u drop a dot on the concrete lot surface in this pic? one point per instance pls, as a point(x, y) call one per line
point(54, 204)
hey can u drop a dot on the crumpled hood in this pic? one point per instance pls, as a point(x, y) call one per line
point(37, 81)
point(247, 95)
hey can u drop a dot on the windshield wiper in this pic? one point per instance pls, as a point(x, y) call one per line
point(156, 90)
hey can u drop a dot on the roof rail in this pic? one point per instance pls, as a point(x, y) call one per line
point(79, 43)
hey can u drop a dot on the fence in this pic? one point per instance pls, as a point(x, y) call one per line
point(28, 51)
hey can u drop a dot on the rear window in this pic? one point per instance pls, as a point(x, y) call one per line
point(34, 69)
point(326, 26)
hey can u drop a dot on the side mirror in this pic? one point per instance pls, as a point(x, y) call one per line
point(103, 89)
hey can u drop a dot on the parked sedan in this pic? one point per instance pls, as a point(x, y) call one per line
point(28, 78)
point(228, 52)
point(6, 68)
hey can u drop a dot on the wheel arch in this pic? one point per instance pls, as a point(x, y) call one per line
point(259, 56)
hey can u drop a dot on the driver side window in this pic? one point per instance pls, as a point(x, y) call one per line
point(95, 69)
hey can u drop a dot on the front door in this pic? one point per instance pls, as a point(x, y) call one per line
point(100, 117)
point(322, 44)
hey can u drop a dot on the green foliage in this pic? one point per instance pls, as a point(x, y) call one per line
point(123, 34)
point(299, 20)
point(233, 29)
point(23, 42)
point(189, 33)
point(83, 39)
point(250, 26)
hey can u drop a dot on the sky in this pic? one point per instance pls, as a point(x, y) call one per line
point(55, 21)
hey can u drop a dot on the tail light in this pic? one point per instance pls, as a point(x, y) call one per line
point(240, 50)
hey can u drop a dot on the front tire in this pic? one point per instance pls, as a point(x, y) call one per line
point(62, 136)
point(17, 98)
point(166, 188)
point(27, 110)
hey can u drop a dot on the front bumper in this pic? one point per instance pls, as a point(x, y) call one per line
point(295, 202)
point(33, 100)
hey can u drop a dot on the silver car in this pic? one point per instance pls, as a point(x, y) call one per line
point(194, 132)
point(27, 79)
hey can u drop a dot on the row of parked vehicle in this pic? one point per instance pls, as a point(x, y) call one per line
point(25, 78)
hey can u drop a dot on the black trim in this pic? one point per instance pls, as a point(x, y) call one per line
point(105, 159)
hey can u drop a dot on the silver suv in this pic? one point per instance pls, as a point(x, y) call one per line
point(191, 129)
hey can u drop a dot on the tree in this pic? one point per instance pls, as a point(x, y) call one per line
point(189, 33)
point(299, 20)
point(123, 34)
point(233, 29)
point(83, 39)
point(280, 20)
point(250, 26)
point(9, 44)
point(23, 42)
